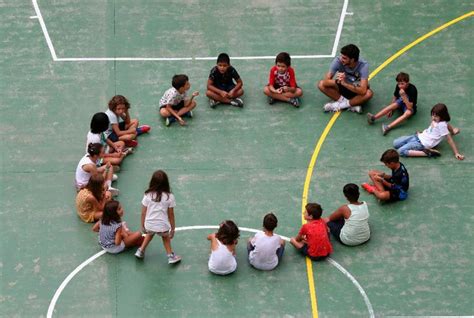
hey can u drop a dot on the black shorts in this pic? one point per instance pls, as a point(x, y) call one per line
point(225, 87)
point(397, 195)
point(304, 251)
point(176, 107)
point(345, 92)
point(113, 136)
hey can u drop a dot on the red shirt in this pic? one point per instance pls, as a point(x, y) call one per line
point(317, 238)
point(279, 80)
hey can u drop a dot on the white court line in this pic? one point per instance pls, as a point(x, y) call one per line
point(339, 28)
point(206, 58)
point(69, 277)
point(45, 31)
point(33, 17)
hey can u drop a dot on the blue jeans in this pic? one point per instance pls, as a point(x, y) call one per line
point(405, 143)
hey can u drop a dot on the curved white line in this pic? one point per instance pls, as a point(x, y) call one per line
point(69, 277)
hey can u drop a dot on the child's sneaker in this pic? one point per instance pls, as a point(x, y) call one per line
point(295, 102)
point(385, 129)
point(169, 120)
point(113, 191)
point(173, 259)
point(271, 101)
point(189, 114)
point(213, 103)
point(355, 109)
point(143, 129)
point(128, 151)
point(237, 102)
point(331, 107)
point(114, 177)
point(370, 118)
point(368, 187)
point(139, 253)
point(131, 143)
point(432, 153)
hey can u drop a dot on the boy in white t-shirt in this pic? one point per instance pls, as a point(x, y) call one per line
point(265, 248)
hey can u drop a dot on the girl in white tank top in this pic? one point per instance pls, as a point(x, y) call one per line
point(222, 259)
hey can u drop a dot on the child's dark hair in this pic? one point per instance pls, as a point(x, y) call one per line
point(390, 156)
point(351, 51)
point(284, 58)
point(110, 213)
point(159, 184)
point(99, 123)
point(228, 232)
point(94, 149)
point(223, 58)
point(402, 77)
point(314, 210)
point(179, 81)
point(117, 100)
point(96, 186)
point(351, 192)
point(270, 222)
point(441, 110)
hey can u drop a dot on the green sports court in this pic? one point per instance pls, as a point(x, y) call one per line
point(62, 60)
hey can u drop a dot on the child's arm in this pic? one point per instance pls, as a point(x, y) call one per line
point(189, 101)
point(118, 132)
point(112, 145)
point(96, 226)
point(173, 113)
point(454, 148)
point(238, 86)
point(143, 217)
point(171, 219)
point(342, 212)
point(405, 100)
point(118, 236)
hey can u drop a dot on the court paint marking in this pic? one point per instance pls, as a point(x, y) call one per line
point(69, 277)
point(131, 59)
point(323, 136)
point(33, 17)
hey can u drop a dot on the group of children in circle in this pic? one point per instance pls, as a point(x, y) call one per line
point(113, 134)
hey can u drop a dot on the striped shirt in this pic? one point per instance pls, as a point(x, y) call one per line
point(107, 234)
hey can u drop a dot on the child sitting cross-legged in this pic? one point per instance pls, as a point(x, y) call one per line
point(313, 238)
point(222, 259)
point(220, 85)
point(174, 105)
point(266, 248)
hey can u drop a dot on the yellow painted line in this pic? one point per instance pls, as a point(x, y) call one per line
point(322, 138)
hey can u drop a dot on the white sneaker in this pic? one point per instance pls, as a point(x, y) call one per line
point(114, 177)
point(139, 253)
point(332, 107)
point(173, 259)
point(115, 192)
point(355, 109)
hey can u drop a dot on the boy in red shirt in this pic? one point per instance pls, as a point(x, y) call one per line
point(282, 82)
point(313, 238)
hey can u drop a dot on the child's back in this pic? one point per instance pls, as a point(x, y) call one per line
point(317, 238)
point(264, 255)
point(222, 261)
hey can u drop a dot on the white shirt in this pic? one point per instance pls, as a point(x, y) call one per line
point(156, 218)
point(82, 177)
point(434, 134)
point(264, 256)
point(113, 120)
point(172, 97)
point(356, 228)
point(221, 261)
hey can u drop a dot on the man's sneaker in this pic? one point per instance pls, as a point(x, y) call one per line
point(139, 253)
point(355, 109)
point(385, 129)
point(432, 153)
point(172, 258)
point(115, 192)
point(143, 129)
point(189, 114)
point(114, 177)
point(131, 143)
point(213, 103)
point(271, 101)
point(331, 107)
point(237, 102)
point(128, 151)
point(295, 102)
point(368, 187)
point(370, 118)
point(169, 120)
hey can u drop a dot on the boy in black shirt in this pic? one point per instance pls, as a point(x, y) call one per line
point(404, 98)
point(386, 187)
point(221, 87)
